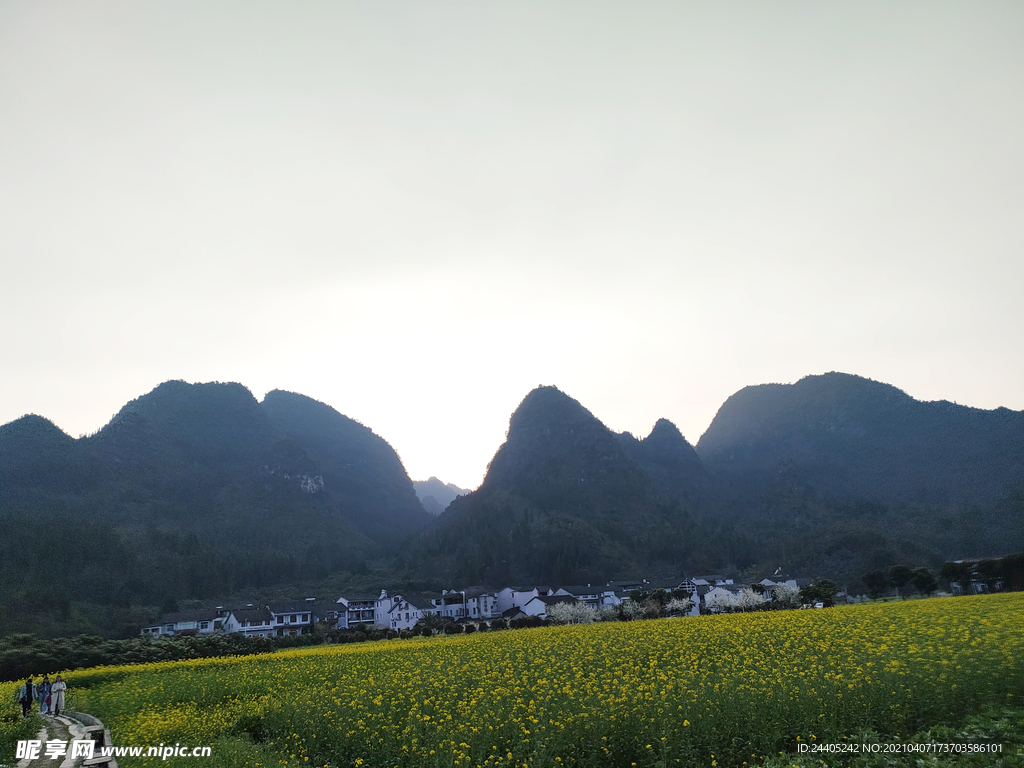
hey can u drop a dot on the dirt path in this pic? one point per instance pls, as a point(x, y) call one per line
point(67, 727)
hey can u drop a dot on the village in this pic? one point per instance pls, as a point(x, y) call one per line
point(480, 606)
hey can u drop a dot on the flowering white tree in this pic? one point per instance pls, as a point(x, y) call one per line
point(786, 597)
point(748, 599)
point(678, 605)
point(572, 613)
point(720, 600)
point(631, 609)
point(608, 613)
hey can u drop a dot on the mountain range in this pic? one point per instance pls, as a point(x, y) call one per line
point(834, 475)
point(435, 495)
point(201, 491)
point(194, 490)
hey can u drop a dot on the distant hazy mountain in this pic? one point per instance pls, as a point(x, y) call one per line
point(194, 490)
point(565, 501)
point(435, 495)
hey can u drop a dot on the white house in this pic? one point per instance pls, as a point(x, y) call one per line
point(513, 613)
point(292, 618)
point(450, 604)
point(481, 604)
point(594, 596)
point(625, 587)
point(503, 598)
point(382, 608)
point(538, 606)
point(355, 610)
point(186, 623)
point(770, 589)
point(409, 609)
point(473, 603)
point(510, 596)
point(251, 621)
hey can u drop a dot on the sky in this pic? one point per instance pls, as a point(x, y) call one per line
point(417, 212)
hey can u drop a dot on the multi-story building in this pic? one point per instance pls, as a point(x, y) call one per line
point(251, 621)
point(409, 609)
point(292, 618)
point(204, 622)
point(355, 610)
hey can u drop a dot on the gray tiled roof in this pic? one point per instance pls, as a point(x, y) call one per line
point(302, 607)
point(360, 597)
point(181, 617)
point(251, 614)
point(417, 601)
point(552, 599)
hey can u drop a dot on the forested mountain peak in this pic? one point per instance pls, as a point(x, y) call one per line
point(566, 499)
point(34, 450)
point(665, 430)
point(171, 399)
point(197, 490)
point(365, 472)
point(308, 415)
point(552, 439)
point(547, 408)
point(32, 429)
point(830, 399)
point(857, 438)
point(671, 462)
point(180, 421)
point(667, 441)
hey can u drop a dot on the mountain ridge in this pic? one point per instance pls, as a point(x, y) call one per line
point(196, 490)
point(856, 437)
point(435, 495)
point(563, 501)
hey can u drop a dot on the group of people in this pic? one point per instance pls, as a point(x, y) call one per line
point(49, 695)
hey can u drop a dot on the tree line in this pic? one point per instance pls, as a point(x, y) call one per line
point(1003, 574)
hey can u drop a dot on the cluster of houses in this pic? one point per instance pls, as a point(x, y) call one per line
point(405, 610)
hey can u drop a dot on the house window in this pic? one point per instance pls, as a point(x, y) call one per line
point(305, 617)
point(294, 618)
point(280, 619)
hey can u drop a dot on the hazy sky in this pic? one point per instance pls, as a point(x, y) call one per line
point(419, 211)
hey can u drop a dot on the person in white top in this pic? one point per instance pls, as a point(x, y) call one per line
point(57, 695)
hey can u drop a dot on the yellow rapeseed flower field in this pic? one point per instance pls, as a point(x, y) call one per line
point(717, 690)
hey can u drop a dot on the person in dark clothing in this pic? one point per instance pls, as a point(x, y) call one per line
point(28, 695)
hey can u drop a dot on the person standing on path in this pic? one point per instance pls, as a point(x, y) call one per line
point(57, 695)
point(43, 695)
point(28, 695)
